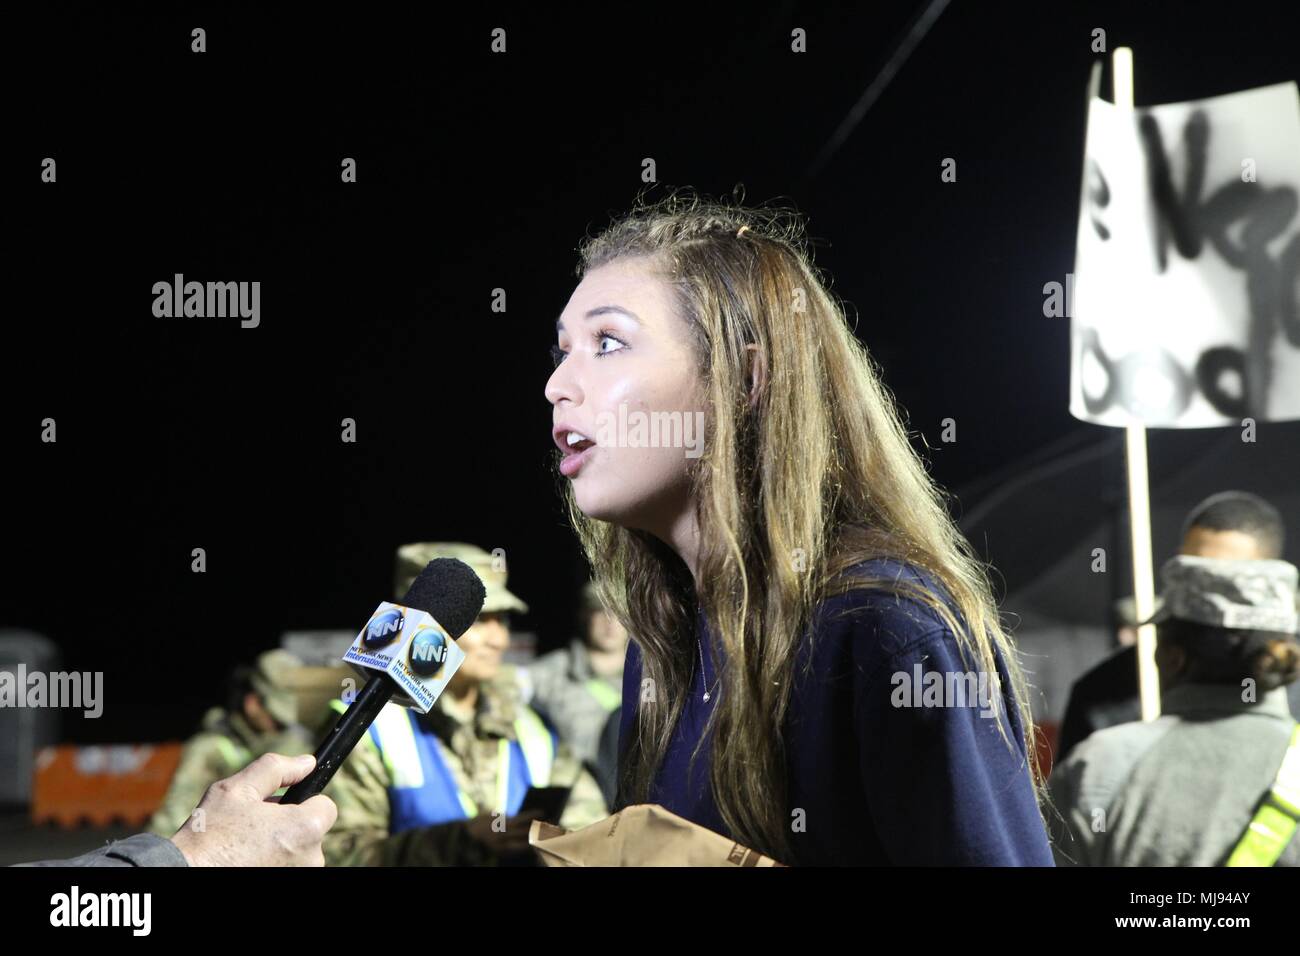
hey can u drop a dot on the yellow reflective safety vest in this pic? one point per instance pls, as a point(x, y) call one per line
point(606, 696)
point(1275, 821)
point(422, 789)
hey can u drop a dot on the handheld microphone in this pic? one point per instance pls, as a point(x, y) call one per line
point(410, 650)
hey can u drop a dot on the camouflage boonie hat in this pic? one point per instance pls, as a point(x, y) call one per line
point(274, 679)
point(1251, 595)
point(411, 559)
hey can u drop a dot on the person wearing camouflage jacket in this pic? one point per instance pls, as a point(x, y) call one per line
point(436, 794)
point(261, 717)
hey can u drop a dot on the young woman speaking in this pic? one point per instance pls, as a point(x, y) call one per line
point(816, 667)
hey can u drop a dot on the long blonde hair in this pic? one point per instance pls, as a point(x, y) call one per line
point(812, 478)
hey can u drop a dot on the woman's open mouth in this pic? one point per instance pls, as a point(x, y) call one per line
point(576, 447)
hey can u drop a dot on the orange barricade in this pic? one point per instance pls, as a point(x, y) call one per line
point(102, 785)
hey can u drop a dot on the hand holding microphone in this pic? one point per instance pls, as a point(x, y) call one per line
point(237, 824)
point(410, 650)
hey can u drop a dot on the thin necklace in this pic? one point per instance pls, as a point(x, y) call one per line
point(707, 695)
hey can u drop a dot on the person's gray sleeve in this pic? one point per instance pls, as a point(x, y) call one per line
point(143, 849)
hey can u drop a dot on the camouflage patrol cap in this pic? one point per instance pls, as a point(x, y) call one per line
point(1247, 594)
point(491, 569)
point(274, 679)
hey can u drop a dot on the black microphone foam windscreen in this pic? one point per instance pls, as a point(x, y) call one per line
point(450, 591)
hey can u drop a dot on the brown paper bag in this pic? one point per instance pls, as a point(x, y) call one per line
point(642, 835)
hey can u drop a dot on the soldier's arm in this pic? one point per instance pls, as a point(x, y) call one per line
point(360, 836)
point(201, 765)
point(586, 802)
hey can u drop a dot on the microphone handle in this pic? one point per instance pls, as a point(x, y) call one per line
point(349, 729)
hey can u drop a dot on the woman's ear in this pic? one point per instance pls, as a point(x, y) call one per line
point(756, 373)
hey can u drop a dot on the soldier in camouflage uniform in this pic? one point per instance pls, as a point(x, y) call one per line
point(261, 717)
point(577, 687)
point(444, 789)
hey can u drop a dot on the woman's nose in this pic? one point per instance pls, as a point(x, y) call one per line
point(563, 384)
point(496, 636)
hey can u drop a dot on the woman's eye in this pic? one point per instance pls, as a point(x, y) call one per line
point(602, 350)
point(557, 355)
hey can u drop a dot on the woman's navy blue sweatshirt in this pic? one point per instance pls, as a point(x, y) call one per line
point(881, 777)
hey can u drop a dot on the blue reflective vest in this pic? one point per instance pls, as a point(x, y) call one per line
point(422, 790)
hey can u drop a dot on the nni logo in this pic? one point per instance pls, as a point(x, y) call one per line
point(383, 628)
point(428, 651)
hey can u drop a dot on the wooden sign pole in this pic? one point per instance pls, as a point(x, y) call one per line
point(1139, 495)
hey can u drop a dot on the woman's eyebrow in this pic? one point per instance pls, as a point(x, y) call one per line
point(601, 310)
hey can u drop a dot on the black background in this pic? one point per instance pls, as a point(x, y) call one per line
point(479, 171)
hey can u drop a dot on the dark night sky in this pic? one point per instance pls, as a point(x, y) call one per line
point(478, 171)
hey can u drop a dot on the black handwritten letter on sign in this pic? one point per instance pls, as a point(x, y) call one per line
point(1186, 305)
